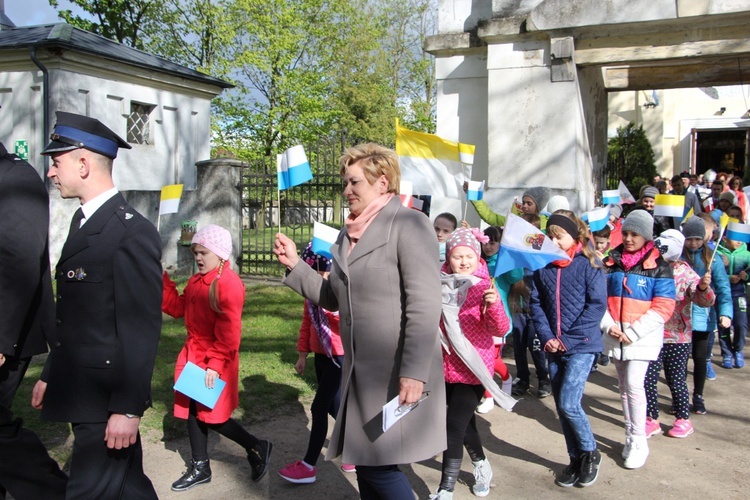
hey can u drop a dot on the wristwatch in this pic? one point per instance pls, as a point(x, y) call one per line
point(132, 415)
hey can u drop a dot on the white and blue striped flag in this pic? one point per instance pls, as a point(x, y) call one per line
point(293, 168)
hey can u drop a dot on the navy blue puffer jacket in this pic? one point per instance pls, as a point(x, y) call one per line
point(568, 303)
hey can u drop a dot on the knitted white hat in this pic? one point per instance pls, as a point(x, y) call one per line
point(215, 238)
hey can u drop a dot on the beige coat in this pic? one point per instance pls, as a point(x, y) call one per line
point(388, 294)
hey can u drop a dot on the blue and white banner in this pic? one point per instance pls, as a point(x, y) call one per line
point(475, 192)
point(611, 197)
point(738, 232)
point(323, 237)
point(293, 168)
point(597, 218)
point(523, 245)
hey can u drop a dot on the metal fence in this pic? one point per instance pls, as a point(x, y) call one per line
point(265, 210)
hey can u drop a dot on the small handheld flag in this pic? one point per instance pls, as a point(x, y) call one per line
point(669, 205)
point(405, 192)
point(323, 237)
point(611, 197)
point(597, 218)
point(169, 202)
point(523, 245)
point(724, 220)
point(292, 168)
point(690, 213)
point(515, 208)
point(475, 192)
point(738, 232)
point(625, 197)
point(708, 204)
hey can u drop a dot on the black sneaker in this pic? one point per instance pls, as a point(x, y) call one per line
point(519, 388)
point(199, 472)
point(603, 359)
point(699, 406)
point(569, 475)
point(590, 462)
point(545, 389)
point(259, 458)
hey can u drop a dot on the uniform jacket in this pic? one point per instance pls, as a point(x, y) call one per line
point(568, 303)
point(387, 292)
point(308, 340)
point(478, 325)
point(705, 318)
point(639, 300)
point(109, 294)
point(679, 328)
point(27, 309)
point(213, 339)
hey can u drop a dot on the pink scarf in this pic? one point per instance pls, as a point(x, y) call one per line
point(630, 259)
point(357, 224)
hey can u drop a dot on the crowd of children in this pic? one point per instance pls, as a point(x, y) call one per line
point(645, 297)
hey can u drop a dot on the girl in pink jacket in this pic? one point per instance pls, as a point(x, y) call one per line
point(480, 317)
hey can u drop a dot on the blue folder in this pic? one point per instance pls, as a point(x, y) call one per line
point(192, 383)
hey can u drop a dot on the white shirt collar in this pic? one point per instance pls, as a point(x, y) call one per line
point(94, 204)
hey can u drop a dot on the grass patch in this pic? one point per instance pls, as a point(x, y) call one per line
point(269, 386)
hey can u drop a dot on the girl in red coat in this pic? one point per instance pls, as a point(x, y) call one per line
point(212, 306)
point(319, 334)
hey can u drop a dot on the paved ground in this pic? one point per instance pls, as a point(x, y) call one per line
point(525, 448)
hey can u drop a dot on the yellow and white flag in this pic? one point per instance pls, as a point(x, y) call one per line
point(170, 199)
point(434, 165)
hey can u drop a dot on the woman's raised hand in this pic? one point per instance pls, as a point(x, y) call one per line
point(286, 251)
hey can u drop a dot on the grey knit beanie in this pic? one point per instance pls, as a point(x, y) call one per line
point(694, 227)
point(540, 195)
point(639, 222)
point(650, 192)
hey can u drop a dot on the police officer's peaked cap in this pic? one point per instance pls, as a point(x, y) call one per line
point(74, 131)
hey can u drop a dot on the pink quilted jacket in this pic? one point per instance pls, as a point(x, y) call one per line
point(478, 327)
point(679, 329)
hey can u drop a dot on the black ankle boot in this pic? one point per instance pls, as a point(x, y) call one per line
point(199, 472)
point(451, 468)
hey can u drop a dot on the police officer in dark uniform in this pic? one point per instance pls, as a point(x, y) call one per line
point(109, 290)
point(26, 320)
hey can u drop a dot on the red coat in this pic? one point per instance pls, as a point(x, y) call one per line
point(308, 338)
point(213, 339)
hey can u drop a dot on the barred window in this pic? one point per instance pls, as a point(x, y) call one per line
point(139, 125)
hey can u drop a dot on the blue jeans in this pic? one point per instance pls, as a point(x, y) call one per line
point(568, 374)
point(731, 344)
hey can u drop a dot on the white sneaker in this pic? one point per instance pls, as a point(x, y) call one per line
point(486, 405)
point(638, 453)
point(442, 495)
point(482, 478)
point(628, 446)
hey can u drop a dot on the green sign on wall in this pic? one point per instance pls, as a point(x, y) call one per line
point(21, 148)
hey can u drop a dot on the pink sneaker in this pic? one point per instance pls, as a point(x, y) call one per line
point(652, 427)
point(348, 468)
point(682, 428)
point(299, 473)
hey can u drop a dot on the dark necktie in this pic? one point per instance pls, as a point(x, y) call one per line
point(75, 224)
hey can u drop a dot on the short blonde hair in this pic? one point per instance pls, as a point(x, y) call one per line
point(375, 160)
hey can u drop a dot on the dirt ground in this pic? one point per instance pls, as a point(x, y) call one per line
point(525, 448)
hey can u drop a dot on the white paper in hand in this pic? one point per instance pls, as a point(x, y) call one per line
point(393, 412)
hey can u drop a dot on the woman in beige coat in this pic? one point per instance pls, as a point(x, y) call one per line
point(385, 284)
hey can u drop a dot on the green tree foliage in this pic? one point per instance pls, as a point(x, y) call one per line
point(630, 158)
point(336, 71)
point(120, 20)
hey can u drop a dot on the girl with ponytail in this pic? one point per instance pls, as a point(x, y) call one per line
point(212, 305)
